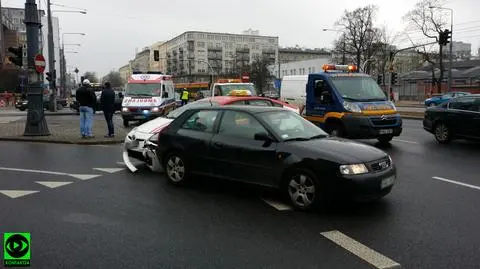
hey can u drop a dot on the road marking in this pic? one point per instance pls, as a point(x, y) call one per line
point(120, 163)
point(78, 176)
point(53, 184)
point(109, 170)
point(457, 183)
point(277, 205)
point(405, 141)
point(16, 193)
point(358, 249)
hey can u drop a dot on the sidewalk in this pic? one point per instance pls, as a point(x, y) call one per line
point(12, 111)
point(65, 130)
point(409, 104)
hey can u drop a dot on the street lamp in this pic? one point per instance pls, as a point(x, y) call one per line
point(63, 62)
point(344, 45)
point(450, 78)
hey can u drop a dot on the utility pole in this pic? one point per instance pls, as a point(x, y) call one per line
point(36, 124)
point(51, 60)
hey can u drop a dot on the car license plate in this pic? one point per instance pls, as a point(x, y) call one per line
point(387, 182)
point(139, 117)
point(385, 131)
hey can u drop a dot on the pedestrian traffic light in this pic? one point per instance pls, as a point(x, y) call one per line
point(379, 79)
point(156, 55)
point(394, 78)
point(18, 58)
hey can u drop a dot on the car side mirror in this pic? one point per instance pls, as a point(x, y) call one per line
point(262, 137)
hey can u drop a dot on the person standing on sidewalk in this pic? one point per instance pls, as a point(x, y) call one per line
point(86, 100)
point(107, 101)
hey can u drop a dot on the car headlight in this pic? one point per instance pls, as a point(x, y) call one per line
point(393, 106)
point(353, 169)
point(155, 109)
point(352, 107)
point(125, 109)
point(154, 138)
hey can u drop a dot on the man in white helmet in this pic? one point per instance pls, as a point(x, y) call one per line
point(86, 100)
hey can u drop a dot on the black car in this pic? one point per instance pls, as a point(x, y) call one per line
point(456, 118)
point(276, 148)
point(22, 104)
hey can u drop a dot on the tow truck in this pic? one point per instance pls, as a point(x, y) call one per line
point(344, 103)
point(147, 96)
point(233, 87)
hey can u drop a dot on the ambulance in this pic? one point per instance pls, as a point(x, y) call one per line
point(233, 87)
point(147, 96)
point(344, 103)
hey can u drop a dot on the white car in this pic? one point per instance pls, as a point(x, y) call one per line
point(141, 142)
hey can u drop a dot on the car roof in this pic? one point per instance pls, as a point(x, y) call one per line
point(251, 109)
point(229, 99)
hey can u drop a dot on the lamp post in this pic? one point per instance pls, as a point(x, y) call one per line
point(450, 76)
point(63, 62)
point(344, 44)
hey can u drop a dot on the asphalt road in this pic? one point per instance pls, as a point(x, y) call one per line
point(106, 217)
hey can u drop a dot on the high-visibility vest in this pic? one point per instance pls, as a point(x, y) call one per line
point(184, 95)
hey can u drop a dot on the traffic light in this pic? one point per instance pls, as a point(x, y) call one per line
point(444, 36)
point(379, 79)
point(18, 58)
point(448, 35)
point(156, 55)
point(48, 76)
point(394, 78)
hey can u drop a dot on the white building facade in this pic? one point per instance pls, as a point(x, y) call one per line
point(300, 67)
point(204, 53)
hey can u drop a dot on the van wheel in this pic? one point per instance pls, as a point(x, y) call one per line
point(125, 123)
point(336, 129)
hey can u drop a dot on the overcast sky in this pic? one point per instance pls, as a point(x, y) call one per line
point(115, 28)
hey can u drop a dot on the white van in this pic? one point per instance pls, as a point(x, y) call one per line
point(293, 90)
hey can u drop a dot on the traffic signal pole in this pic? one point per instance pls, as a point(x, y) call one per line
point(36, 124)
point(51, 60)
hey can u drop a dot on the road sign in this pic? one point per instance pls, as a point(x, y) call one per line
point(39, 63)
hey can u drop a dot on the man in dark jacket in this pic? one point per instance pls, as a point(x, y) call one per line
point(86, 101)
point(107, 101)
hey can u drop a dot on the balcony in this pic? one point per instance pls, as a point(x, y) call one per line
point(242, 50)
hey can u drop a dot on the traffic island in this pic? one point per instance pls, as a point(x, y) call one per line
point(65, 130)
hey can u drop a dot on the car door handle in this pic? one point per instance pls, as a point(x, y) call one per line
point(217, 145)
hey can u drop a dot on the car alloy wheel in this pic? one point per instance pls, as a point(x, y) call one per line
point(442, 133)
point(302, 191)
point(175, 168)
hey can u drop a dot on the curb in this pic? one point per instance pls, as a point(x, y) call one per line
point(51, 141)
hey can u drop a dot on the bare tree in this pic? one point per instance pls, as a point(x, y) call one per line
point(358, 33)
point(430, 23)
point(91, 76)
point(260, 74)
point(114, 78)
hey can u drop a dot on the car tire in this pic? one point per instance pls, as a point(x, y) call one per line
point(302, 188)
point(176, 169)
point(336, 129)
point(125, 123)
point(442, 133)
point(22, 109)
point(385, 139)
point(431, 105)
point(59, 107)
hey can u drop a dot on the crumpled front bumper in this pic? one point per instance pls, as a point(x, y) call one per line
point(136, 146)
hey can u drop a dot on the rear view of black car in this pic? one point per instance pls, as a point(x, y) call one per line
point(276, 148)
point(456, 118)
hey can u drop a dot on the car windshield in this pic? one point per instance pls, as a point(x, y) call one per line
point(141, 89)
point(238, 89)
point(289, 125)
point(200, 103)
point(358, 88)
